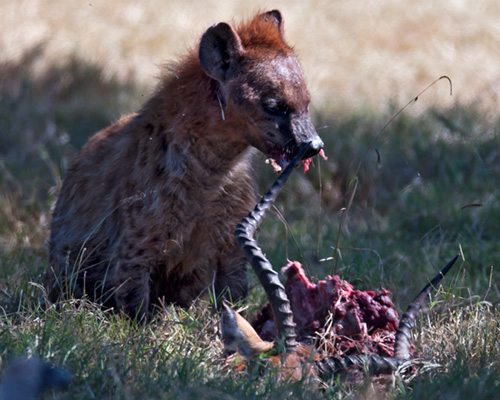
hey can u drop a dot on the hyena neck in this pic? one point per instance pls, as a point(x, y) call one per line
point(193, 117)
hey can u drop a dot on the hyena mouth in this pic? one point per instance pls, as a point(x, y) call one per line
point(279, 157)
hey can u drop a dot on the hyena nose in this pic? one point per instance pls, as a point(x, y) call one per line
point(315, 146)
point(307, 134)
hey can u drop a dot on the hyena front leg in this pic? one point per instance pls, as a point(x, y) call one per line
point(231, 279)
point(132, 289)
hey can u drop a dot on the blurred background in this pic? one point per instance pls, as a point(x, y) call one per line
point(354, 53)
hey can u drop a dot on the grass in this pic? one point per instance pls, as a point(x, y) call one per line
point(411, 192)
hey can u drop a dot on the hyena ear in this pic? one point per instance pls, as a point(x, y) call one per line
point(276, 18)
point(220, 47)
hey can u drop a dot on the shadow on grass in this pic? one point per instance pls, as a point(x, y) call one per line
point(46, 114)
point(73, 98)
point(408, 189)
point(44, 117)
point(426, 187)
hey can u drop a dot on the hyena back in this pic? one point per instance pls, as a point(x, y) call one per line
point(148, 208)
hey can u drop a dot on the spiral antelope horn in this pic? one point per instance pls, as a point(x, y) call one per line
point(408, 319)
point(268, 277)
point(386, 365)
point(280, 304)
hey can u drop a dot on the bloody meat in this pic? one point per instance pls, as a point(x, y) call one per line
point(340, 319)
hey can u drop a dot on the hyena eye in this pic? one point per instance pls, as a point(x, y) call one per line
point(276, 109)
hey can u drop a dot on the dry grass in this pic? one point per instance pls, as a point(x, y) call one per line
point(472, 332)
point(354, 53)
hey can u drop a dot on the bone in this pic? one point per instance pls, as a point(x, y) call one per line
point(238, 335)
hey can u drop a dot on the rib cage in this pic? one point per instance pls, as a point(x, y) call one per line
point(280, 304)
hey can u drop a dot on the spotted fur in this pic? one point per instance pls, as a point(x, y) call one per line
point(148, 208)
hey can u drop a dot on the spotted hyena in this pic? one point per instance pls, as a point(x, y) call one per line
point(148, 208)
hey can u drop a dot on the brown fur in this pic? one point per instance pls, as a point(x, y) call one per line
point(148, 208)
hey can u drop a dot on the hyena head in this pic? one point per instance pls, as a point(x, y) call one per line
point(261, 86)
